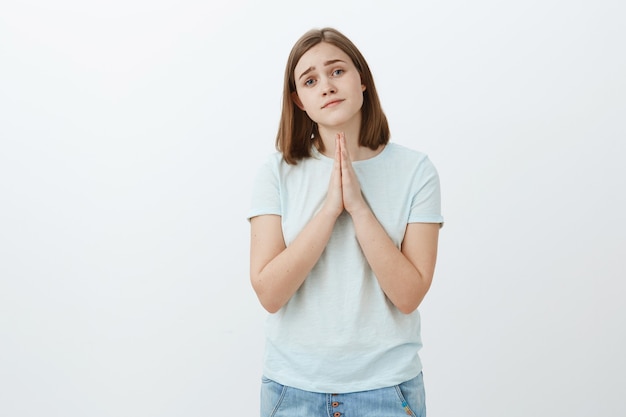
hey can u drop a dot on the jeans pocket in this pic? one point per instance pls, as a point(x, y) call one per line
point(413, 397)
point(272, 394)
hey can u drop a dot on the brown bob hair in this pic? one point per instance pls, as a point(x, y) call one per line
point(296, 131)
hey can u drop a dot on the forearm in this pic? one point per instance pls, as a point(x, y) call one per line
point(401, 280)
point(281, 277)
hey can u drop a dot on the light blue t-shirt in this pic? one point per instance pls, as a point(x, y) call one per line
point(339, 332)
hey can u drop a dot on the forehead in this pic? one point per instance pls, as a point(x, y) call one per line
point(317, 55)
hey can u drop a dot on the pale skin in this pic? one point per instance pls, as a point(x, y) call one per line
point(277, 270)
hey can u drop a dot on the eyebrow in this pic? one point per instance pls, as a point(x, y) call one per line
point(327, 63)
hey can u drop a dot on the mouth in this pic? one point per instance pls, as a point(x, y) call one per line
point(331, 103)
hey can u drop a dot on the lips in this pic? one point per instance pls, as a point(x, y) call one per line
point(331, 103)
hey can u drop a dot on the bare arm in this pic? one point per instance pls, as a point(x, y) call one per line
point(277, 270)
point(404, 274)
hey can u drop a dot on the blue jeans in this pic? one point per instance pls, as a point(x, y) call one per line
point(407, 398)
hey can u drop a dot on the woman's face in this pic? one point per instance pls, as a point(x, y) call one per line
point(328, 87)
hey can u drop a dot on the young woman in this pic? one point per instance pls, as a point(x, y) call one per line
point(344, 230)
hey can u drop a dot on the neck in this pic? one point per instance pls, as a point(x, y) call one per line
point(357, 153)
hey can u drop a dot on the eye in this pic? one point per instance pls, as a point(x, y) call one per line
point(337, 72)
point(309, 82)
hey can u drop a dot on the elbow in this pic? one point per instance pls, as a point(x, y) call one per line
point(408, 306)
point(409, 301)
point(269, 303)
point(413, 299)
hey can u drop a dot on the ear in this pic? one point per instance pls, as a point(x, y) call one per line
point(363, 87)
point(296, 100)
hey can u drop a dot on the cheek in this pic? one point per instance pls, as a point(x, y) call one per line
point(306, 101)
point(303, 98)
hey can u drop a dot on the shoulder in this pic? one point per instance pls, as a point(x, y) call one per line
point(276, 159)
point(274, 165)
point(270, 163)
point(273, 159)
point(405, 156)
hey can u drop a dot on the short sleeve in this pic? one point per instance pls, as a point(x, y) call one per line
point(426, 200)
point(266, 190)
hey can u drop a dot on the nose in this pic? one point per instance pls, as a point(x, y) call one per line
point(328, 87)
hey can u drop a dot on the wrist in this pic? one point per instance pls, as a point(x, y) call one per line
point(360, 211)
point(331, 214)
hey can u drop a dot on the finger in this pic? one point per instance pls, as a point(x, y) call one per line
point(346, 161)
point(337, 163)
point(337, 151)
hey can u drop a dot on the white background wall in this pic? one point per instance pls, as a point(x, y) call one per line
point(130, 131)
